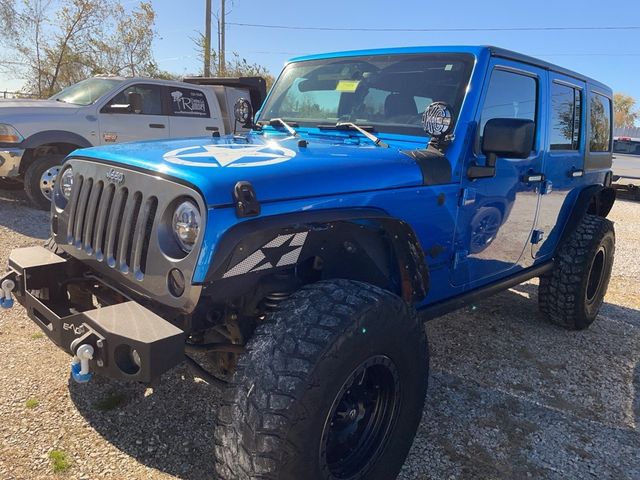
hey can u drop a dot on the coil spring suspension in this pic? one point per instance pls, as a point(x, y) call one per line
point(273, 300)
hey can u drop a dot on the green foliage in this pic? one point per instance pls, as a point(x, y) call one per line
point(625, 112)
point(57, 44)
point(32, 403)
point(59, 461)
point(237, 66)
point(37, 336)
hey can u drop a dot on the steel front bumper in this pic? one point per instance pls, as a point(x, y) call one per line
point(10, 159)
point(129, 341)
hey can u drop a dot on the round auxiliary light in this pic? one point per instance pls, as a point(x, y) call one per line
point(243, 111)
point(437, 120)
point(186, 225)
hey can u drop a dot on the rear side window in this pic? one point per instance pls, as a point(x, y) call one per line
point(566, 114)
point(188, 103)
point(510, 95)
point(600, 120)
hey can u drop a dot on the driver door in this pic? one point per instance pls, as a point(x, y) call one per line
point(127, 125)
point(497, 214)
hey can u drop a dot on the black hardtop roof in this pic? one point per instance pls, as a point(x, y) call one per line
point(519, 57)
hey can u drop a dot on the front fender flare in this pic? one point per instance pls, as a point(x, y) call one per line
point(360, 244)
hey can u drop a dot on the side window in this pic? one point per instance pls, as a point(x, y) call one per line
point(150, 96)
point(600, 119)
point(566, 115)
point(188, 103)
point(510, 95)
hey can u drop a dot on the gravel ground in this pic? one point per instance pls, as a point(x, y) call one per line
point(510, 396)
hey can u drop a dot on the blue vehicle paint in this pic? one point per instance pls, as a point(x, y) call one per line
point(342, 170)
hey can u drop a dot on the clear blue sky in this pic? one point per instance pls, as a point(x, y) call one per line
point(610, 56)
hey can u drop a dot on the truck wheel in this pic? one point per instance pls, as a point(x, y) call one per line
point(40, 178)
point(10, 184)
point(572, 293)
point(332, 387)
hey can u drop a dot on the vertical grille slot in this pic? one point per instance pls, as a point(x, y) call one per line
point(148, 228)
point(90, 217)
point(131, 210)
point(101, 220)
point(73, 206)
point(141, 237)
point(113, 225)
point(81, 210)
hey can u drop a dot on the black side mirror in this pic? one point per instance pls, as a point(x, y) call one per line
point(135, 102)
point(504, 137)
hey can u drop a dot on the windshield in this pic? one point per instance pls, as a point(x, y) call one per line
point(87, 91)
point(628, 147)
point(386, 92)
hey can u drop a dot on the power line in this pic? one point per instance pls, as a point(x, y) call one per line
point(454, 29)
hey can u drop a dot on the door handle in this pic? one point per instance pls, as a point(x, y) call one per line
point(576, 173)
point(156, 125)
point(533, 178)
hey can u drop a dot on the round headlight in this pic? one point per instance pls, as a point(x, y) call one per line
point(66, 183)
point(186, 225)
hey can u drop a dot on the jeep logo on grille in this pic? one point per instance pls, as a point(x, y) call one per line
point(115, 176)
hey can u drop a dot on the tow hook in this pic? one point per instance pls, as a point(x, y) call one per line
point(80, 364)
point(6, 298)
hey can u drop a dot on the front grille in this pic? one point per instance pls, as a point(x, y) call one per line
point(118, 224)
point(111, 223)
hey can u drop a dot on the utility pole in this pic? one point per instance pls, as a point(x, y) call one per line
point(221, 50)
point(207, 39)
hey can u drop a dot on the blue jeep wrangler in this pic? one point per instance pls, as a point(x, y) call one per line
point(294, 265)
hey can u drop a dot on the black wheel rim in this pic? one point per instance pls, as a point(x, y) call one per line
point(596, 274)
point(485, 232)
point(361, 419)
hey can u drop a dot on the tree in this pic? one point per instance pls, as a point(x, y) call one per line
point(625, 113)
point(84, 38)
point(237, 66)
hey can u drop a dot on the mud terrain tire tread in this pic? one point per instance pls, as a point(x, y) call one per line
point(562, 291)
point(259, 406)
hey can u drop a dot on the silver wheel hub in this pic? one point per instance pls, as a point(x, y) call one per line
point(48, 180)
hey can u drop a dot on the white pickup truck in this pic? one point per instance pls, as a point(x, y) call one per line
point(36, 135)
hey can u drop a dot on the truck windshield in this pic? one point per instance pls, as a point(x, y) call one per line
point(386, 92)
point(87, 91)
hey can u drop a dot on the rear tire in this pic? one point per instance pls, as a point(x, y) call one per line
point(338, 359)
point(571, 294)
point(40, 179)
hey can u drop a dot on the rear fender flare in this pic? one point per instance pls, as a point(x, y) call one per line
point(594, 200)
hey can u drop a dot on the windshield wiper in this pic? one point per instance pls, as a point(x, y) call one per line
point(358, 128)
point(279, 121)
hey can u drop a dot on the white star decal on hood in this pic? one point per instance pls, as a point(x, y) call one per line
point(229, 155)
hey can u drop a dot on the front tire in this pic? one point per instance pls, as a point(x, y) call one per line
point(571, 294)
point(40, 178)
point(332, 387)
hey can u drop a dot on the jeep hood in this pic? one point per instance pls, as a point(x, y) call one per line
point(277, 169)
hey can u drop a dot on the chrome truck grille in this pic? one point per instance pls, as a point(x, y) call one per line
point(118, 222)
